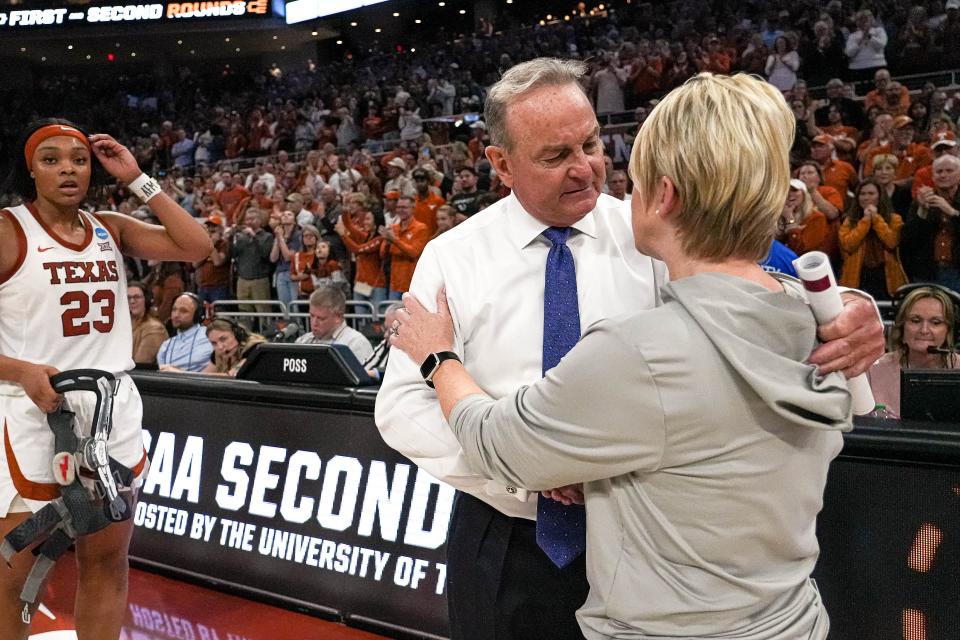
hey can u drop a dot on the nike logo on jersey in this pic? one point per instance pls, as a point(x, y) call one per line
point(42, 249)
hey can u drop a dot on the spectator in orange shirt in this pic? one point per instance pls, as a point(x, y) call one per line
point(403, 242)
point(881, 135)
point(944, 143)
point(326, 270)
point(373, 123)
point(801, 227)
point(212, 274)
point(259, 197)
point(869, 238)
point(425, 201)
point(836, 126)
point(166, 284)
point(825, 198)
point(878, 96)
point(893, 96)
point(828, 201)
point(836, 173)
point(714, 59)
point(645, 73)
point(911, 155)
point(302, 264)
point(232, 199)
point(479, 140)
point(236, 142)
point(359, 235)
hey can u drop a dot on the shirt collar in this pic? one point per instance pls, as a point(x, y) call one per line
point(333, 336)
point(522, 228)
point(188, 332)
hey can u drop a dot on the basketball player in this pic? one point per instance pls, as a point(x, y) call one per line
point(63, 305)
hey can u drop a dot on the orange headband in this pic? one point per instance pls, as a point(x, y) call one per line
point(50, 131)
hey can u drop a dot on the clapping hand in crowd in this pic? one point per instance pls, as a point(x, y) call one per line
point(386, 233)
point(929, 199)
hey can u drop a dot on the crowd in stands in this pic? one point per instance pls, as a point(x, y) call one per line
point(339, 174)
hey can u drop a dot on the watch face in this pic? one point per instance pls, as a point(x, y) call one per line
point(429, 366)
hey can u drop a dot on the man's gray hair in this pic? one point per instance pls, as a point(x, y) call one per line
point(519, 80)
point(947, 159)
point(329, 297)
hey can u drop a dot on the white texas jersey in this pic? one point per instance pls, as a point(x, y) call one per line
point(65, 304)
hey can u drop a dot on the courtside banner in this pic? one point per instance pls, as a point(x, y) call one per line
point(133, 13)
point(290, 492)
point(299, 503)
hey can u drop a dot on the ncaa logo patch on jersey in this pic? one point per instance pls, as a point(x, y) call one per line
point(101, 233)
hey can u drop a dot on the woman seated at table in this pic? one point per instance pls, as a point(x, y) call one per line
point(701, 436)
point(232, 343)
point(927, 318)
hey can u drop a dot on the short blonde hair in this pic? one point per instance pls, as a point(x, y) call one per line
point(885, 159)
point(357, 197)
point(724, 141)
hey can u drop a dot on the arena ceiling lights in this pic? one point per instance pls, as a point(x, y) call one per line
point(303, 10)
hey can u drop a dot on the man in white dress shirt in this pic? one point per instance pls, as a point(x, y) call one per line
point(548, 151)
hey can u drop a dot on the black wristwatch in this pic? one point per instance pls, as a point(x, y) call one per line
point(429, 367)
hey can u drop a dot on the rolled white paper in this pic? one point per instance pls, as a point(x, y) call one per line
point(824, 298)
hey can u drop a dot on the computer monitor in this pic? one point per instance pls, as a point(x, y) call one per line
point(313, 364)
point(930, 394)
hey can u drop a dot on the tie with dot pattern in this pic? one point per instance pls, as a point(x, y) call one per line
point(561, 530)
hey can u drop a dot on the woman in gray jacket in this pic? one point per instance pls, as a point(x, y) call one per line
point(700, 435)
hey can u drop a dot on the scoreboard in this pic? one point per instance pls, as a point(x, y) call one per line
point(140, 13)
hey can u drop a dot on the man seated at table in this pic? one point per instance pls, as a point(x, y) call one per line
point(327, 326)
point(188, 349)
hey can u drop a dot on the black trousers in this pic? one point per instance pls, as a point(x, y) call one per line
point(501, 585)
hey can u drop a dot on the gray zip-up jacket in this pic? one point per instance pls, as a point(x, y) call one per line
point(703, 442)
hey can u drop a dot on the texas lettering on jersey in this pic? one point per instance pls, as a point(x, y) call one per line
point(72, 272)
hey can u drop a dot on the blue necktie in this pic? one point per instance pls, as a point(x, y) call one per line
point(561, 530)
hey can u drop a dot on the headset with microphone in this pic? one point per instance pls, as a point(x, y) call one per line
point(199, 309)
